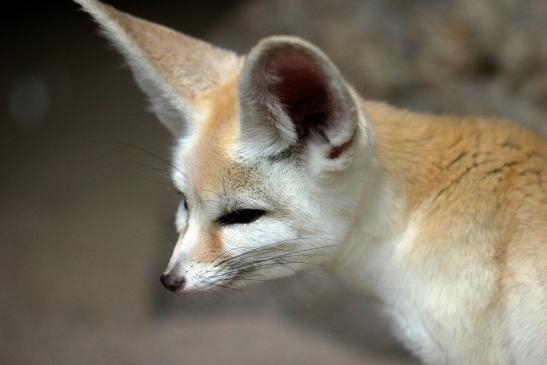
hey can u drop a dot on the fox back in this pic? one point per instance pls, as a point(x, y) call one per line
point(281, 165)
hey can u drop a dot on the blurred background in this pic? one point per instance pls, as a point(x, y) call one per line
point(86, 208)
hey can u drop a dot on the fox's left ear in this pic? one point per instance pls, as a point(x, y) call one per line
point(174, 70)
point(294, 101)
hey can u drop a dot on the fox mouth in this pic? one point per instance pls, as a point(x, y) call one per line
point(255, 265)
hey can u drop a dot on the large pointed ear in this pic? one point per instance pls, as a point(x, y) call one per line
point(173, 69)
point(294, 101)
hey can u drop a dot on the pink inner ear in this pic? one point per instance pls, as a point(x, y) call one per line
point(302, 89)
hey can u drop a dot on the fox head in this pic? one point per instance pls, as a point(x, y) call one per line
point(269, 154)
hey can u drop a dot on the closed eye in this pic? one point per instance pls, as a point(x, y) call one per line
point(240, 216)
point(183, 199)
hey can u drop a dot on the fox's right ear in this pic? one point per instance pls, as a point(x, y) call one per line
point(294, 102)
point(173, 69)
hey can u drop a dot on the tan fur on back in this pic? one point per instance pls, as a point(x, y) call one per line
point(451, 166)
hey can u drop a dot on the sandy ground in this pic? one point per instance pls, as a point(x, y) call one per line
point(246, 339)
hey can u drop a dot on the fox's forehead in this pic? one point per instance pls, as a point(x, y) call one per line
point(206, 159)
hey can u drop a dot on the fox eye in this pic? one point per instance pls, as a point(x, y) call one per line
point(185, 202)
point(241, 216)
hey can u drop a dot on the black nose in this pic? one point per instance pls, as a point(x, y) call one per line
point(172, 282)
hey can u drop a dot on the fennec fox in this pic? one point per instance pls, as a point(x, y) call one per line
point(281, 165)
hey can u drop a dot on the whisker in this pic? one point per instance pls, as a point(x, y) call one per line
point(289, 254)
point(144, 150)
point(245, 266)
point(270, 246)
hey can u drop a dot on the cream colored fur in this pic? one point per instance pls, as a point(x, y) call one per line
point(442, 218)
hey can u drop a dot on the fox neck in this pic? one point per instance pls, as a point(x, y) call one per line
point(379, 227)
